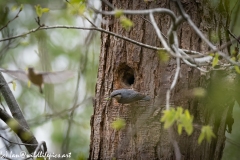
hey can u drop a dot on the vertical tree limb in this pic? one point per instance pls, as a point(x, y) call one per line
point(17, 114)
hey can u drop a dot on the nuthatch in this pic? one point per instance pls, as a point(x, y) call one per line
point(128, 96)
point(39, 78)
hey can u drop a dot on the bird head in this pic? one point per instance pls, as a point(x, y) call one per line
point(30, 70)
point(116, 95)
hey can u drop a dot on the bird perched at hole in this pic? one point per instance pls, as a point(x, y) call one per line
point(40, 78)
point(125, 96)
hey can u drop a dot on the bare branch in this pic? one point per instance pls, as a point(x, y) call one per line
point(225, 45)
point(25, 144)
point(173, 84)
point(141, 12)
point(159, 34)
point(12, 103)
point(23, 133)
point(97, 29)
point(11, 20)
point(108, 3)
point(233, 36)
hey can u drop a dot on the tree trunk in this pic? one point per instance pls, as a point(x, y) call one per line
point(126, 65)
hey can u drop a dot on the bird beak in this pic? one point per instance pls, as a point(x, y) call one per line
point(108, 98)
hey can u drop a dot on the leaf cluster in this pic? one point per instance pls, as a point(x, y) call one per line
point(40, 10)
point(183, 119)
point(125, 22)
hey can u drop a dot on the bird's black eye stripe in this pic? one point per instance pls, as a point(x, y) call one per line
point(117, 94)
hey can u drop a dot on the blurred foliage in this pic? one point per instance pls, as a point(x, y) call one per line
point(118, 124)
point(206, 133)
point(61, 116)
point(77, 7)
point(183, 119)
point(126, 22)
point(118, 13)
point(40, 10)
point(164, 56)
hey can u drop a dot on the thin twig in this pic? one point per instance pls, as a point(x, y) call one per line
point(173, 84)
point(97, 29)
point(11, 19)
point(25, 144)
point(233, 36)
point(5, 157)
point(159, 34)
point(225, 45)
point(142, 12)
point(108, 3)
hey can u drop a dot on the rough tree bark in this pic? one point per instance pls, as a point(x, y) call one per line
point(125, 65)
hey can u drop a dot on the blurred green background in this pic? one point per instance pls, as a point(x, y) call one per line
point(60, 116)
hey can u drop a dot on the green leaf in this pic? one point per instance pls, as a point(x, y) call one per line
point(215, 60)
point(73, 11)
point(118, 124)
point(206, 133)
point(180, 126)
point(126, 23)
point(179, 112)
point(187, 114)
point(45, 10)
point(168, 118)
point(40, 10)
point(77, 8)
point(184, 120)
point(14, 7)
point(118, 13)
point(209, 133)
point(164, 57)
point(14, 85)
point(237, 69)
point(201, 138)
point(81, 8)
point(189, 129)
point(21, 7)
